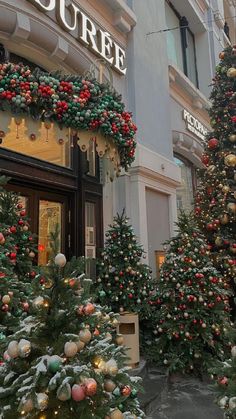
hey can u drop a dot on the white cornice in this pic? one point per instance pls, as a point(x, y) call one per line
point(124, 18)
point(177, 77)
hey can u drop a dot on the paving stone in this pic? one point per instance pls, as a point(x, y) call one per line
point(178, 398)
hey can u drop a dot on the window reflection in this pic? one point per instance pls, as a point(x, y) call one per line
point(50, 216)
point(185, 191)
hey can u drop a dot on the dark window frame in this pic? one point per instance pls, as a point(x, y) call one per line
point(183, 47)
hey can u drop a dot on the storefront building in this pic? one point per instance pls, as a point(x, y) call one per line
point(164, 80)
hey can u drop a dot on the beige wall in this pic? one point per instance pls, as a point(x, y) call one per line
point(157, 223)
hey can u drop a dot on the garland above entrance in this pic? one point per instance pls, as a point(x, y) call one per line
point(71, 101)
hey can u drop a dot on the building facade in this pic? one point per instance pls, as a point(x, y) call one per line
point(163, 77)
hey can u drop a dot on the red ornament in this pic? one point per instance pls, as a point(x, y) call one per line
point(25, 306)
point(90, 387)
point(89, 308)
point(23, 213)
point(32, 274)
point(2, 275)
point(213, 143)
point(21, 222)
point(30, 238)
point(19, 205)
point(121, 273)
point(12, 255)
point(126, 391)
point(130, 295)
point(223, 381)
point(205, 159)
point(13, 229)
point(5, 307)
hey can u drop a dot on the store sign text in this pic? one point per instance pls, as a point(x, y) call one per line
point(71, 19)
point(194, 125)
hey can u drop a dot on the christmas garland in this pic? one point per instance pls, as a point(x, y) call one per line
point(71, 101)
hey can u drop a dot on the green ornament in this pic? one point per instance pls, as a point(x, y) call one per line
point(2, 336)
point(54, 363)
point(102, 293)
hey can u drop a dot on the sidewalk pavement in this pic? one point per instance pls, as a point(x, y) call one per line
point(178, 398)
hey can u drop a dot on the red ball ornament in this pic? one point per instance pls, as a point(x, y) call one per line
point(30, 238)
point(12, 255)
point(126, 391)
point(78, 393)
point(90, 387)
point(5, 307)
point(13, 229)
point(25, 306)
point(21, 222)
point(19, 205)
point(198, 210)
point(223, 381)
point(32, 274)
point(89, 308)
point(121, 273)
point(23, 213)
point(213, 143)
point(130, 295)
point(205, 159)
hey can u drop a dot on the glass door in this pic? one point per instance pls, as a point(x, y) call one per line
point(47, 212)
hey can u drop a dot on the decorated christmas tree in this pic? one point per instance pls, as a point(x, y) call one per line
point(216, 201)
point(15, 263)
point(193, 315)
point(15, 223)
point(124, 282)
point(64, 361)
point(225, 373)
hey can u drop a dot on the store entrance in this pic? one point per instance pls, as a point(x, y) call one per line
point(47, 211)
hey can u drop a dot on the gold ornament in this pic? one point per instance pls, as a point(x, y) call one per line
point(116, 414)
point(218, 241)
point(70, 349)
point(224, 219)
point(211, 168)
point(119, 339)
point(225, 189)
point(109, 386)
point(233, 250)
point(42, 401)
point(230, 160)
point(85, 335)
point(48, 283)
point(6, 299)
point(24, 348)
point(231, 207)
point(232, 138)
point(231, 72)
point(80, 345)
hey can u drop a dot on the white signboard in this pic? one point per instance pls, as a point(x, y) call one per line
point(71, 18)
point(194, 125)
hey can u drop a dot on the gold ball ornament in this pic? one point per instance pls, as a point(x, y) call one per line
point(26, 405)
point(85, 335)
point(6, 299)
point(119, 339)
point(226, 189)
point(24, 348)
point(112, 367)
point(12, 349)
point(218, 241)
point(224, 219)
point(232, 138)
point(70, 349)
point(31, 254)
point(116, 414)
point(231, 207)
point(42, 401)
point(230, 160)
point(231, 72)
point(80, 345)
point(109, 386)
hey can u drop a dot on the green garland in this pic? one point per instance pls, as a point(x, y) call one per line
point(71, 101)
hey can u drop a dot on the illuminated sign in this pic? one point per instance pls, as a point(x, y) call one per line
point(194, 125)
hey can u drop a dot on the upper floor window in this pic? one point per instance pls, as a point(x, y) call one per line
point(180, 43)
point(185, 192)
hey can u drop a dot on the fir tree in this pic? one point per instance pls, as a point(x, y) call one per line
point(193, 315)
point(216, 201)
point(16, 269)
point(225, 373)
point(63, 361)
point(124, 282)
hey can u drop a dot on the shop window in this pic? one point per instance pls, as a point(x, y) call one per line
point(185, 192)
point(44, 141)
point(50, 219)
point(91, 158)
point(160, 259)
point(180, 43)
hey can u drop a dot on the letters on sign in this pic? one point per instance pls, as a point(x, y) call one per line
point(72, 18)
point(194, 125)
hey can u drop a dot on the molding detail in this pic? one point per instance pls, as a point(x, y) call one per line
point(124, 17)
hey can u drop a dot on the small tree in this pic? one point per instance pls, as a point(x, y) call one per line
point(193, 314)
point(16, 269)
point(124, 282)
point(63, 361)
